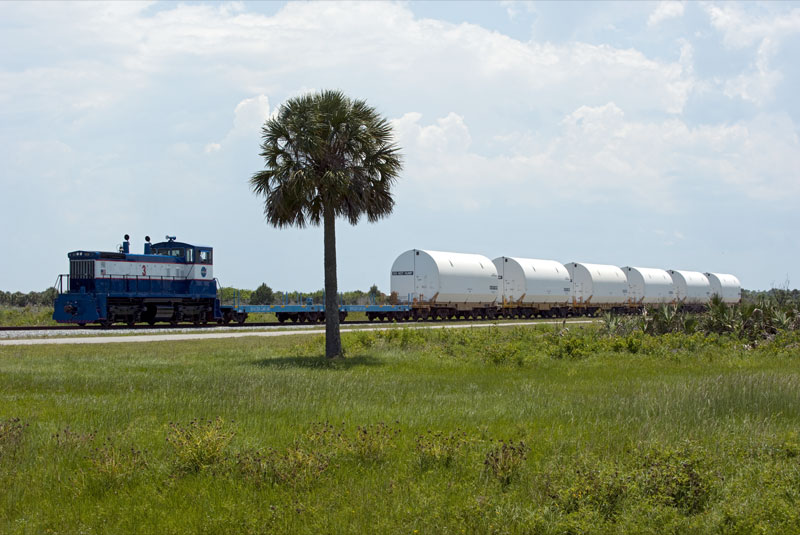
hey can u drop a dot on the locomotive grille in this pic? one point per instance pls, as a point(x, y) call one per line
point(81, 269)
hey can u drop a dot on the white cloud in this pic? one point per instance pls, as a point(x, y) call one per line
point(599, 155)
point(665, 10)
point(298, 46)
point(515, 8)
point(248, 118)
point(740, 30)
point(757, 85)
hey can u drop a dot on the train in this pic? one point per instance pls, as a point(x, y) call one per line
point(173, 282)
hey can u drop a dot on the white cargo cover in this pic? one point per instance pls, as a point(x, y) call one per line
point(649, 286)
point(597, 284)
point(528, 280)
point(691, 287)
point(435, 276)
point(726, 286)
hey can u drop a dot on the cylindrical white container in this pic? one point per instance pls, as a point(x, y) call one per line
point(442, 277)
point(527, 281)
point(597, 284)
point(691, 287)
point(649, 286)
point(726, 286)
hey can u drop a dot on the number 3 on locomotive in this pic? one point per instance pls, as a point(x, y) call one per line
point(144, 271)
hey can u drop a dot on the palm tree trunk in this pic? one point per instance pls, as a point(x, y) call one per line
point(333, 340)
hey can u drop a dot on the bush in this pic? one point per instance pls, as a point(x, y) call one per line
point(676, 477)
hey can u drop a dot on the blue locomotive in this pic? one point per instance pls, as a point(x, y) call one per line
point(170, 282)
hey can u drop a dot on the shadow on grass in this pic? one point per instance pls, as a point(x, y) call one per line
point(319, 362)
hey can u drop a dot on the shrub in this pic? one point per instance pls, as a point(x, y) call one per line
point(676, 477)
point(602, 489)
point(199, 445)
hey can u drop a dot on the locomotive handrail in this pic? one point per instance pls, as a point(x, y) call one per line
point(59, 285)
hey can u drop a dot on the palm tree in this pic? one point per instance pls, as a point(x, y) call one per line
point(327, 156)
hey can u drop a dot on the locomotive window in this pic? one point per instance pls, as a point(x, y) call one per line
point(205, 257)
point(178, 253)
point(190, 255)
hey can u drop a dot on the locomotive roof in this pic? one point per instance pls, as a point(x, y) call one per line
point(179, 244)
point(130, 257)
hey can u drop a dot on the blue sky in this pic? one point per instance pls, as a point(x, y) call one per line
point(659, 134)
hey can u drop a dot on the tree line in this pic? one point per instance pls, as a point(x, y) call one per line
point(264, 295)
point(20, 299)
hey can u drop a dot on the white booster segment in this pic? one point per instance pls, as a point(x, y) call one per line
point(440, 277)
point(649, 286)
point(527, 280)
point(597, 283)
point(691, 287)
point(726, 286)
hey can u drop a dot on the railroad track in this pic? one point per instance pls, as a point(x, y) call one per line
point(166, 326)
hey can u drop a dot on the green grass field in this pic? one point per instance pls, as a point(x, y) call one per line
point(524, 430)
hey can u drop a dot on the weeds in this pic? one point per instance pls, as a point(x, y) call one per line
point(112, 465)
point(11, 435)
point(68, 438)
point(373, 442)
point(439, 448)
point(503, 462)
point(294, 466)
point(199, 445)
point(676, 477)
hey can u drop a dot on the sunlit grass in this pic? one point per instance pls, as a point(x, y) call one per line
point(621, 434)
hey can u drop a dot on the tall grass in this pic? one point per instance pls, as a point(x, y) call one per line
point(498, 430)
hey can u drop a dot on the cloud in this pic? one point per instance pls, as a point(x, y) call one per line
point(757, 86)
point(601, 156)
point(742, 29)
point(248, 118)
point(384, 45)
point(664, 11)
point(515, 8)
